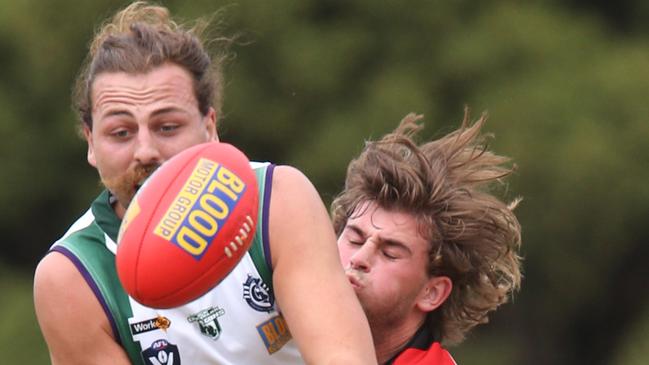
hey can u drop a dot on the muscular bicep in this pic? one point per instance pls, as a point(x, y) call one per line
point(71, 319)
point(311, 288)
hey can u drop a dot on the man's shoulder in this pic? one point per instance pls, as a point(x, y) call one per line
point(81, 224)
point(97, 224)
point(83, 234)
point(86, 244)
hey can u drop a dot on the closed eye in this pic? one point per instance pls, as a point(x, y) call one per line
point(390, 255)
point(354, 235)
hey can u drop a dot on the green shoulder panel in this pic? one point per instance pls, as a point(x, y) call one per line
point(88, 247)
point(257, 248)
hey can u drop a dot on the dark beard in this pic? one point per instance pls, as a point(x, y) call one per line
point(126, 185)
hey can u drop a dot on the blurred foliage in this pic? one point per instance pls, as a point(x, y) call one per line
point(20, 339)
point(564, 82)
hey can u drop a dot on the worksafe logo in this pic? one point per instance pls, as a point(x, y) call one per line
point(160, 322)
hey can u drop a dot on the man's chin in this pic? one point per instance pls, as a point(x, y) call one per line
point(125, 186)
point(122, 198)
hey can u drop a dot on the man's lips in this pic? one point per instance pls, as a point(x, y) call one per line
point(356, 284)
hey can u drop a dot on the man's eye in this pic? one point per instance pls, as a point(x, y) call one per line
point(120, 133)
point(390, 255)
point(355, 243)
point(168, 127)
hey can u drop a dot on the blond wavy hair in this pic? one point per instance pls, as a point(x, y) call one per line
point(143, 36)
point(448, 184)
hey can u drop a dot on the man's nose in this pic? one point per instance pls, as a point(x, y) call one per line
point(361, 260)
point(146, 151)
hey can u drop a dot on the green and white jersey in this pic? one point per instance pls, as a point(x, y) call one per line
point(237, 322)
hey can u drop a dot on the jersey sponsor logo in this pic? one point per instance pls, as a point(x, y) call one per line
point(274, 332)
point(161, 352)
point(201, 207)
point(258, 295)
point(152, 324)
point(207, 321)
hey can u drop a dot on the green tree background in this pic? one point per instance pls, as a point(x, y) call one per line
point(565, 83)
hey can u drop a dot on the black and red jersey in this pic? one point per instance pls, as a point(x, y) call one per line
point(423, 349)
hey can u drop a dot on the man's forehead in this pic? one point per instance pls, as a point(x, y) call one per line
point(372, 216)
point(170, 83)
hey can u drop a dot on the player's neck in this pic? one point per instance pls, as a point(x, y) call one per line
point(119, 210)
point(390, 339)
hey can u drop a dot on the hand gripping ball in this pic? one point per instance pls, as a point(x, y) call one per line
point(188, 226)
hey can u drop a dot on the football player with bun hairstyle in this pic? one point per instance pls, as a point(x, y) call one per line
point(148, 90)
point(427, 246)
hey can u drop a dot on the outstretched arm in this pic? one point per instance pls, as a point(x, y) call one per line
point(318, 303)
point(72, 321)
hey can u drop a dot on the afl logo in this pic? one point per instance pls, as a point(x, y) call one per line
point(257, 294)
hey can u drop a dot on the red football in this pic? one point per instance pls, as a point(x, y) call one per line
point(188, 226)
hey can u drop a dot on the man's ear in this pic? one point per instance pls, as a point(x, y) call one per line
point(87, 133)
point(434, 293)
point(210, 125)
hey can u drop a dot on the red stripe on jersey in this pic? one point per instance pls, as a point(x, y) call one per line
point(435, 355)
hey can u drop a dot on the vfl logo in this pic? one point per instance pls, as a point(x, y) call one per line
point(152, 324)
point(207, 321)
point(161, 352)
point(201, 207)
point(258, 295)
point(274, 332)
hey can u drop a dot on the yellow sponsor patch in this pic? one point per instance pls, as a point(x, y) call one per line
point(274, 332)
